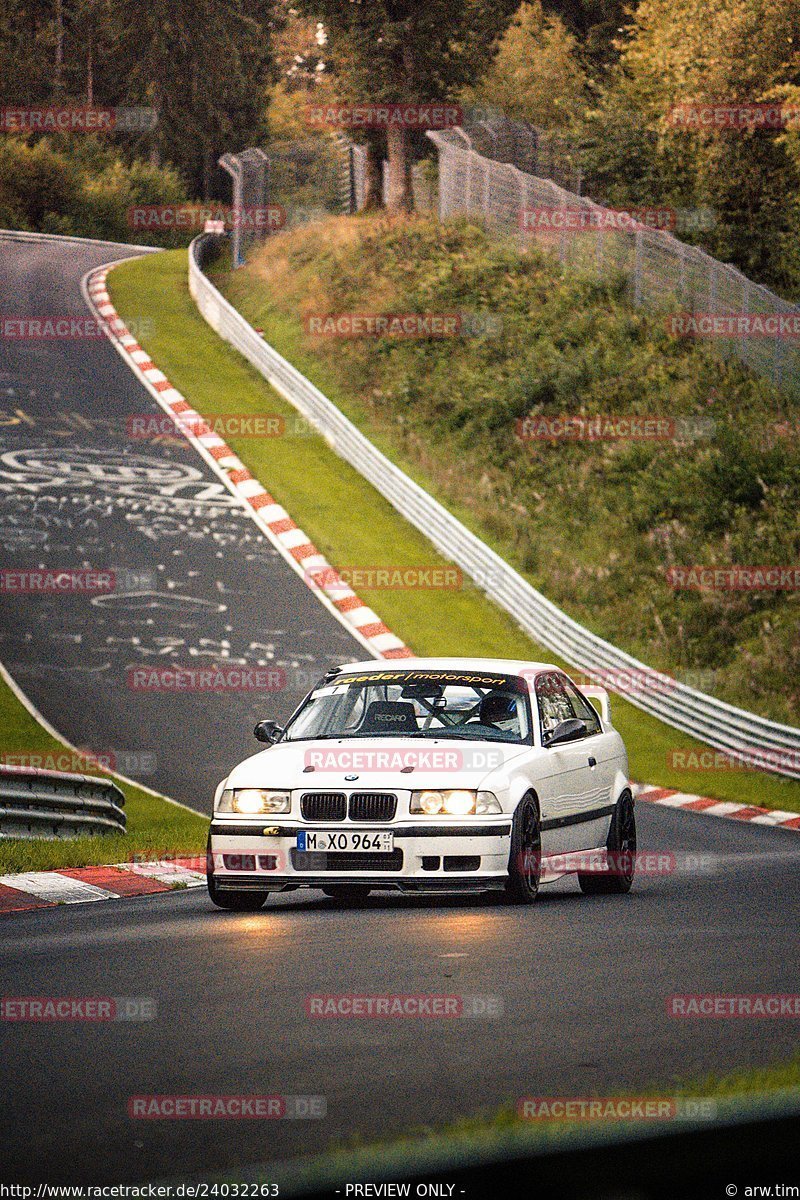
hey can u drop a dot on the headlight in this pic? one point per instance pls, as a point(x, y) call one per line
point(251, 801)
point(455, 803)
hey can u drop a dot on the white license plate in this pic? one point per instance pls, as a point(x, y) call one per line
point(364, 841)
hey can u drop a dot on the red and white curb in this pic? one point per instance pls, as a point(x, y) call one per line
point(79, 885)
point(669, 798)
point(285, 535)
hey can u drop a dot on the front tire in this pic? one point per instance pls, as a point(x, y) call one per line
point(525, 859)
point(621, 846)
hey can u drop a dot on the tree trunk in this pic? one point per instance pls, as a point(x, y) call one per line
point(59, 64)
point(401, 195)
point(89, 76)
point(373, 189)
point(208, 167)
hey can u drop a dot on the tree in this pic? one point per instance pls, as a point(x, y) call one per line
point(406, 52)
point(596, 24)
point(704, 51)
point(205, 66)
point(536, 75)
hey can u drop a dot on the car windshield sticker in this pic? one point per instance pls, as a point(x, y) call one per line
point(452, 678)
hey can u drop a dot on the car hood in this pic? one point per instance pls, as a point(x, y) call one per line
point(374, 763)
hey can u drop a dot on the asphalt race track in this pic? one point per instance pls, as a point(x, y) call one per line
point(583, 982)
point(197, 581)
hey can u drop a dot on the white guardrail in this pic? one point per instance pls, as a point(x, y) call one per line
point(752, 739)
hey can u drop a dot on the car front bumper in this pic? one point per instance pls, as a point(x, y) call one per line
point(432, 858)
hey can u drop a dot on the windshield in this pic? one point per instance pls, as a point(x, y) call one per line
point(414, 704)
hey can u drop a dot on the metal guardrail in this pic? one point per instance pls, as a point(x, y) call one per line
point(24, 235)
point(762, 742)
point(54, 804)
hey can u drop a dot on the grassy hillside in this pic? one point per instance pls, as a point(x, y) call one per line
point(595, 525)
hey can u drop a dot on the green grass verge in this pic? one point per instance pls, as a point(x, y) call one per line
point(353, 525)
point(156, 828)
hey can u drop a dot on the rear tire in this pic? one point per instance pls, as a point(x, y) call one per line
point(232, 901)
point(525, 859)
point(621, 845)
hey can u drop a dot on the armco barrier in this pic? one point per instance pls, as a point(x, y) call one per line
point(52, 804)
point(710, 720)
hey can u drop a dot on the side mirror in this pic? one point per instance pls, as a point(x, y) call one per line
point(268, 731)
point(565, 731)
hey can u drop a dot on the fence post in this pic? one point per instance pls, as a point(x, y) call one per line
point(249, 171)
point(777, 362)
point(637, 267)
point(682, 279)
point(352, 196)
point(523, 192)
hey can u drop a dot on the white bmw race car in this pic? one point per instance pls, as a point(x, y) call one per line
point(428, 775)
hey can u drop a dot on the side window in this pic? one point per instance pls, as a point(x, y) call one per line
point(553, 702)
point(583, 709)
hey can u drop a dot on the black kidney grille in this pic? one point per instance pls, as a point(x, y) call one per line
point(372, 806)
point(323, 806)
